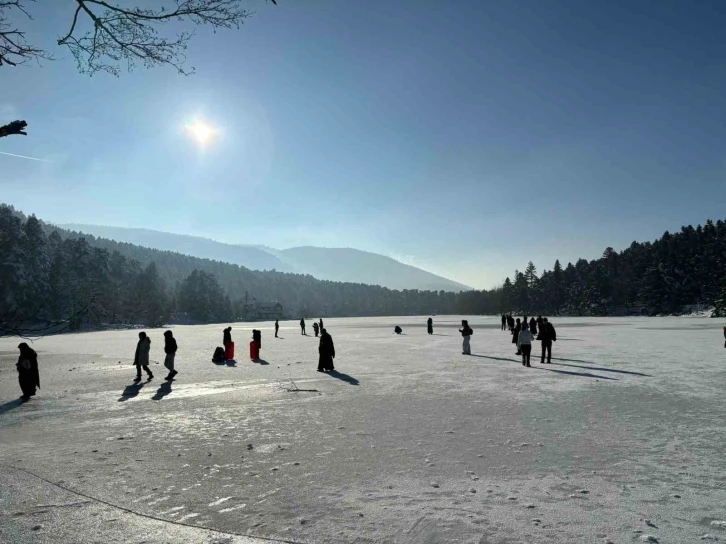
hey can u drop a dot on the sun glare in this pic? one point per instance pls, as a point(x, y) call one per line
point(201, 131)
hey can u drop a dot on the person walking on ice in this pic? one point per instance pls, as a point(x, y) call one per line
point(302, 326)
point(430, 326)
point(466, 332)
point(547, 335)
point(277, 327)
point(27, 366)
point(524, 343)
point(316, 328)
point(170, 350)
point(326, 351)
point(141, 357)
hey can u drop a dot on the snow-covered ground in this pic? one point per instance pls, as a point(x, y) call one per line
point(620, 439)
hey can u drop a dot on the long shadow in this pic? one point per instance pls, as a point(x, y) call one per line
point(496, 358)
point(163, 391)
point(131, 391)
point(11, 405)
point(604, 369)
point(583, 374)
point(280, 337)
point(339, 375)
point(437, 334)
point(260, 361)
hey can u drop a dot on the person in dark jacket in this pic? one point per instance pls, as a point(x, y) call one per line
point(547, 335)
point(515, 335)
point(466, 332)
point(226, 337)
point(170, 348)
point(321, 324)
point(510, 323)
point(257, 337)
point(302, 326)
point(316, 328)
point(539, 321)
point(277, 327)
point(430, 326)
point(504, 322)
point(326, 351)
point(533, 326)
point(141, 357)
point(28, 376)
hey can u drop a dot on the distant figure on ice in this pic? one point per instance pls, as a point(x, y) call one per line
point(326, 351)
point(302, 326)
point(430, 326)
point(141, 357)
point(226, 337)
point(170, 348)
point(398, 330)
point(277, 327)
point(547, 335)
point(504, 322)
point(466, 332)
point(724, 335)
point(321, 325)
point(257, 338)
point(510, 322)
point(316, 328)
point(539, 321)
point(27, 366)
point(533, 326)
point(515, 335)
point(524, 343)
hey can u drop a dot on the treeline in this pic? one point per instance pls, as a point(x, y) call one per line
point(677, 270)
point(51, 276)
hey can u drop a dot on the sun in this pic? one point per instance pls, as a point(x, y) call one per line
point(201, 131)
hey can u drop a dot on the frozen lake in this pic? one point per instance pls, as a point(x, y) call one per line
point(620, 438)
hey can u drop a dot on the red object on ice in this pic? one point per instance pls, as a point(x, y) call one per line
point(254, 351)
point(229, 351)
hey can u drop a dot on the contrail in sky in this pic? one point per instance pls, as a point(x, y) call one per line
point(23, 157)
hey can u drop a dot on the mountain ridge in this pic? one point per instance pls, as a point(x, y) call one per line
point(333, 264)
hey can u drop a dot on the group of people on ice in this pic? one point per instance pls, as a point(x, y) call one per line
point(525, 332)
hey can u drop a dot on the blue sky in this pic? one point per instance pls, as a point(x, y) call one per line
point(465, 137)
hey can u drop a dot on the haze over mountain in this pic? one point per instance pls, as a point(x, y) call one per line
point(335, 264)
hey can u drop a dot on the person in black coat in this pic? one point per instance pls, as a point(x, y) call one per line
point(515, 334)
point(510, 323)
point(302, 326)
point(227, 336)
point(533, 326)
point(277, 327)
point(326, 351)
point(504, 322)
point(316, 328)
point(430, 326)
point(547, 335)
point(28, 375)
point(170, 348)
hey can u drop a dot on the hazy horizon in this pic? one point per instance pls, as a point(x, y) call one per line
point(464, 140)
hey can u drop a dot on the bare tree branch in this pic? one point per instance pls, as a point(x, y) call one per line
point(13, 326)
point(129, 35)
point(14, 50)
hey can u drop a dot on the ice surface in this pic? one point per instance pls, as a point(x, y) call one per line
point(620, 438)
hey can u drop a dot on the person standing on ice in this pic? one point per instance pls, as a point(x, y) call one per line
point(316, 328)
point(466, 331)
point(533, 326)
point(321, 324)
point(547, 335)
point(326, 351)
point(515, 335)
point(277, 327)
point(170, 348)
point(524, 343)
point(27, 366)
point(226, 337)
point(302, 326)
point(141, 357)
point(510, 323)
point(430, 326)
point(504, 322)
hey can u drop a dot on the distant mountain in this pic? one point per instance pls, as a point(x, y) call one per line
point(334, 264)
